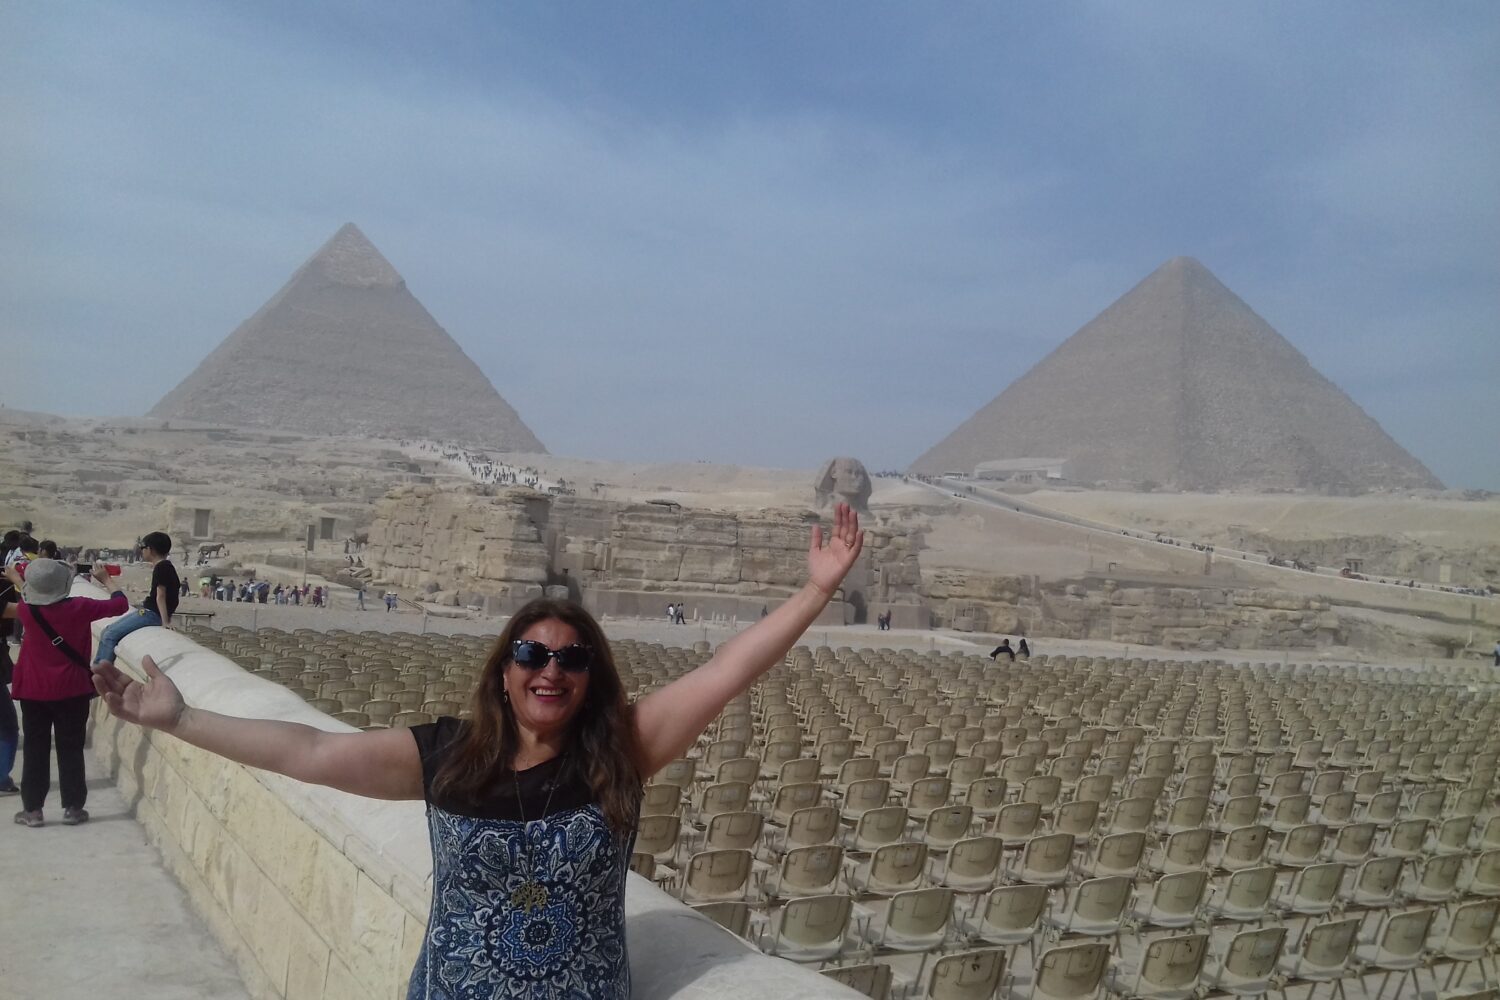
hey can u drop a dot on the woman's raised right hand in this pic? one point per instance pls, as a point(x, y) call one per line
point(156, 705)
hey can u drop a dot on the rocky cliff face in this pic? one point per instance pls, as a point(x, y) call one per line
point(1175, 617)
point(455, 539)
point(472, 545)
point(470, 541)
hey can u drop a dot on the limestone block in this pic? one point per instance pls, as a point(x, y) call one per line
point(709, 564)
point(297, 858)
point(307, 967)
point(379, 924)
point(340, 983)
point(773, 567)
point(413, 931)
point(270, 931)
point(233, 879)
point(330, 899)
point(170, 796)
point(211, 777)
point(255, 816)
point(633, 562)
point(199, 830)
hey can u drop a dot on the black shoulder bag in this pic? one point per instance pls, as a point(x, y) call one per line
point(59, 641)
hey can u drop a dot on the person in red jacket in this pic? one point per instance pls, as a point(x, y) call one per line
point(53, 683)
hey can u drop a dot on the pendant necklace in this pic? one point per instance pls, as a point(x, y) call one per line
point(532, 895)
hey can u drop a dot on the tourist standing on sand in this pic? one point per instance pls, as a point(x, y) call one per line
point(160, 603)
point(533, 803)
point(53, 684)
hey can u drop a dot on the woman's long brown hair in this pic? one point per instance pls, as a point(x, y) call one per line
point(601, 738)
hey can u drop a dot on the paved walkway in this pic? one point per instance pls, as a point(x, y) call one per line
point(88, 911)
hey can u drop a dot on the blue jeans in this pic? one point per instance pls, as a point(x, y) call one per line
point(10, 733)
point(136, 619)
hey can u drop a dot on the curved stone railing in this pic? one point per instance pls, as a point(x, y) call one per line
point(316, 893)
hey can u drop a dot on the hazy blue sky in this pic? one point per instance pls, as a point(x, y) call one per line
point(760, 233)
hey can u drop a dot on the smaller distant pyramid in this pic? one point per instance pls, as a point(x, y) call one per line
point(1179, 382)
point(345, 348)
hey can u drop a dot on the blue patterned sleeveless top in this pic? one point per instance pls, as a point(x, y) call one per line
point(485, 939)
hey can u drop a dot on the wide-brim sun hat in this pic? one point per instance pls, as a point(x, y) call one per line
point(47, 582)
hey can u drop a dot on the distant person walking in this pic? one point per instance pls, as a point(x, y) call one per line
point(160, 603)
point(361, 597)
point(53, 683)
point(1497, 652)
point(1004, 647)
point(671, 614)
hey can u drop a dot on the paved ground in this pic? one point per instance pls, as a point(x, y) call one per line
point(88, 911)
point(344, 615)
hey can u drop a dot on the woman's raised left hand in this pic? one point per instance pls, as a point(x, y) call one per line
point(828, 562)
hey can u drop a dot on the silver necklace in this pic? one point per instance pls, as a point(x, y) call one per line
point(531, 894)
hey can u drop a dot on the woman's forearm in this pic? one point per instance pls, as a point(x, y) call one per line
point(284, 747)
point(764, 644)
point(669, 720)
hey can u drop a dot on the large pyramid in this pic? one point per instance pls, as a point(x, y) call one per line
point(1181, 383)
point(345, 348)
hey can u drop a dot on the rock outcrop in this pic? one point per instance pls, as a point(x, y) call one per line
point(1189, 618)
point(475, 543)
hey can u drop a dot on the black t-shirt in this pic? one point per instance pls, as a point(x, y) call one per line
point(164, 574)
point(436, 739)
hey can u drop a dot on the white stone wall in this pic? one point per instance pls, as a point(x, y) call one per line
point(324, 896)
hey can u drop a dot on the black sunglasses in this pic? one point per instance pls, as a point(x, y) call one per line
point(533, 655)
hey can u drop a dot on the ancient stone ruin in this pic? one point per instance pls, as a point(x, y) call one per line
point(1180, 383)
point(345, 348)
point(496, 549)
point(842, 480)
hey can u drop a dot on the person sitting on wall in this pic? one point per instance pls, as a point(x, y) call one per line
point(52, 682)
point(1004, 647)
point(160, 603)
point(532, 803)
